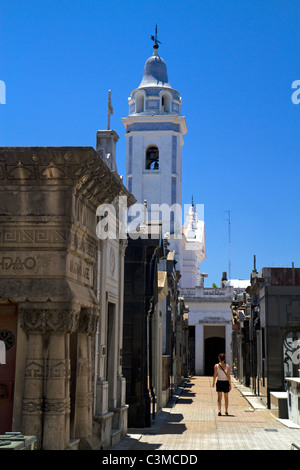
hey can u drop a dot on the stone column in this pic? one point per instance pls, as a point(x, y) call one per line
point(46, 404)
point(32, 411)
point(55, 393)
point(199, 349)
point(84, 385)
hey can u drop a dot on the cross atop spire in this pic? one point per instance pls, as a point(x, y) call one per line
point(154, 38)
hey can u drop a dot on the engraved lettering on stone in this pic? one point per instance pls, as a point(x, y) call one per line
point(213, 292)
point(210, 320)
point(17, 263)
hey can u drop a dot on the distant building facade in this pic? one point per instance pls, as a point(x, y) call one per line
point(210, 324)
point(155, 340)
point(274, 329)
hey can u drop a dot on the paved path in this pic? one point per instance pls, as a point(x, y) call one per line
point(192, 423)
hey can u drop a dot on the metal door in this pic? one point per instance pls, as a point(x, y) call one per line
point(8, 334)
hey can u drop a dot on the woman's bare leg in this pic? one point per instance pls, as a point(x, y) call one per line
point(219, 401)
point(226, 402)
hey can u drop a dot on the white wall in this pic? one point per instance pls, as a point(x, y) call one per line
point(211, 314)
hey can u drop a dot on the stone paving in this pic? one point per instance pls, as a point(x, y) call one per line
point(192, 423)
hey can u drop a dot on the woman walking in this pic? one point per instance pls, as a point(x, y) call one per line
point(222, 374)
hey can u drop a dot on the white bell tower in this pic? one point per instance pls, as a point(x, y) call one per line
point(154, 134)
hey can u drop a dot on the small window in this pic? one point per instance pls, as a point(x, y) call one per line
point(152, 158)
point(139, 103)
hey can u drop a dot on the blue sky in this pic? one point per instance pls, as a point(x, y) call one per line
point(233, 63)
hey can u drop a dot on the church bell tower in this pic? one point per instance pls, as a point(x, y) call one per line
point(154, 135)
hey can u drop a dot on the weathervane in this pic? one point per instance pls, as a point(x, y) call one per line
point(154, 38)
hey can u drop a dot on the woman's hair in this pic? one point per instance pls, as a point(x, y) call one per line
point(222, 357)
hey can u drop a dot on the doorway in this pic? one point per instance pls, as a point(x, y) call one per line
point(8, 336)
point(213, 347)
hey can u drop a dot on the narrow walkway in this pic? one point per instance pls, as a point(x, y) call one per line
point(193, 424)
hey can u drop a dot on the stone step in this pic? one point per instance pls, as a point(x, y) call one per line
point(115, 436)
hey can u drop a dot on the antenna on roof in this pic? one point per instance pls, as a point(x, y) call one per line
point(229, 247)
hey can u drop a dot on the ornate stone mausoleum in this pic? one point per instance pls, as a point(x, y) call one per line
point(50, 292)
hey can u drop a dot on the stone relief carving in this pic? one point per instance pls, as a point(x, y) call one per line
point(49, 320)
point(34, 368)
point(56, 368)
point(32, 405)
point(84, 366)
point(17, 263)
point(55, 405)
point(88, 320)
point(11, 236)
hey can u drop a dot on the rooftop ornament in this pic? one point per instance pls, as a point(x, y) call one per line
point(155, 40)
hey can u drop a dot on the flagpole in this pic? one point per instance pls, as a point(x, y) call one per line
point(109, 110)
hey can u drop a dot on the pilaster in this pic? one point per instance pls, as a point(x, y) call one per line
point(46, 399)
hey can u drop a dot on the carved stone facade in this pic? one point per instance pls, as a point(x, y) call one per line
point(49, 270)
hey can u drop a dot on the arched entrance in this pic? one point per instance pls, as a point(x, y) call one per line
point(213, 347)
point(8, 336)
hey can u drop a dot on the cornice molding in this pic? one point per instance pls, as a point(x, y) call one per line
point(77, 167)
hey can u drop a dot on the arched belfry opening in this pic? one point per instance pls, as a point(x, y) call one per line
point(152, 158)
point(139, 103)
point(165, 103)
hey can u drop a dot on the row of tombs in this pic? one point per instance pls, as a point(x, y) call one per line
point(94, 329)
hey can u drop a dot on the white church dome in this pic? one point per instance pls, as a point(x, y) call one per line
point(155, 72)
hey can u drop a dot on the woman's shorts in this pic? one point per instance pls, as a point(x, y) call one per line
point(222, 386)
